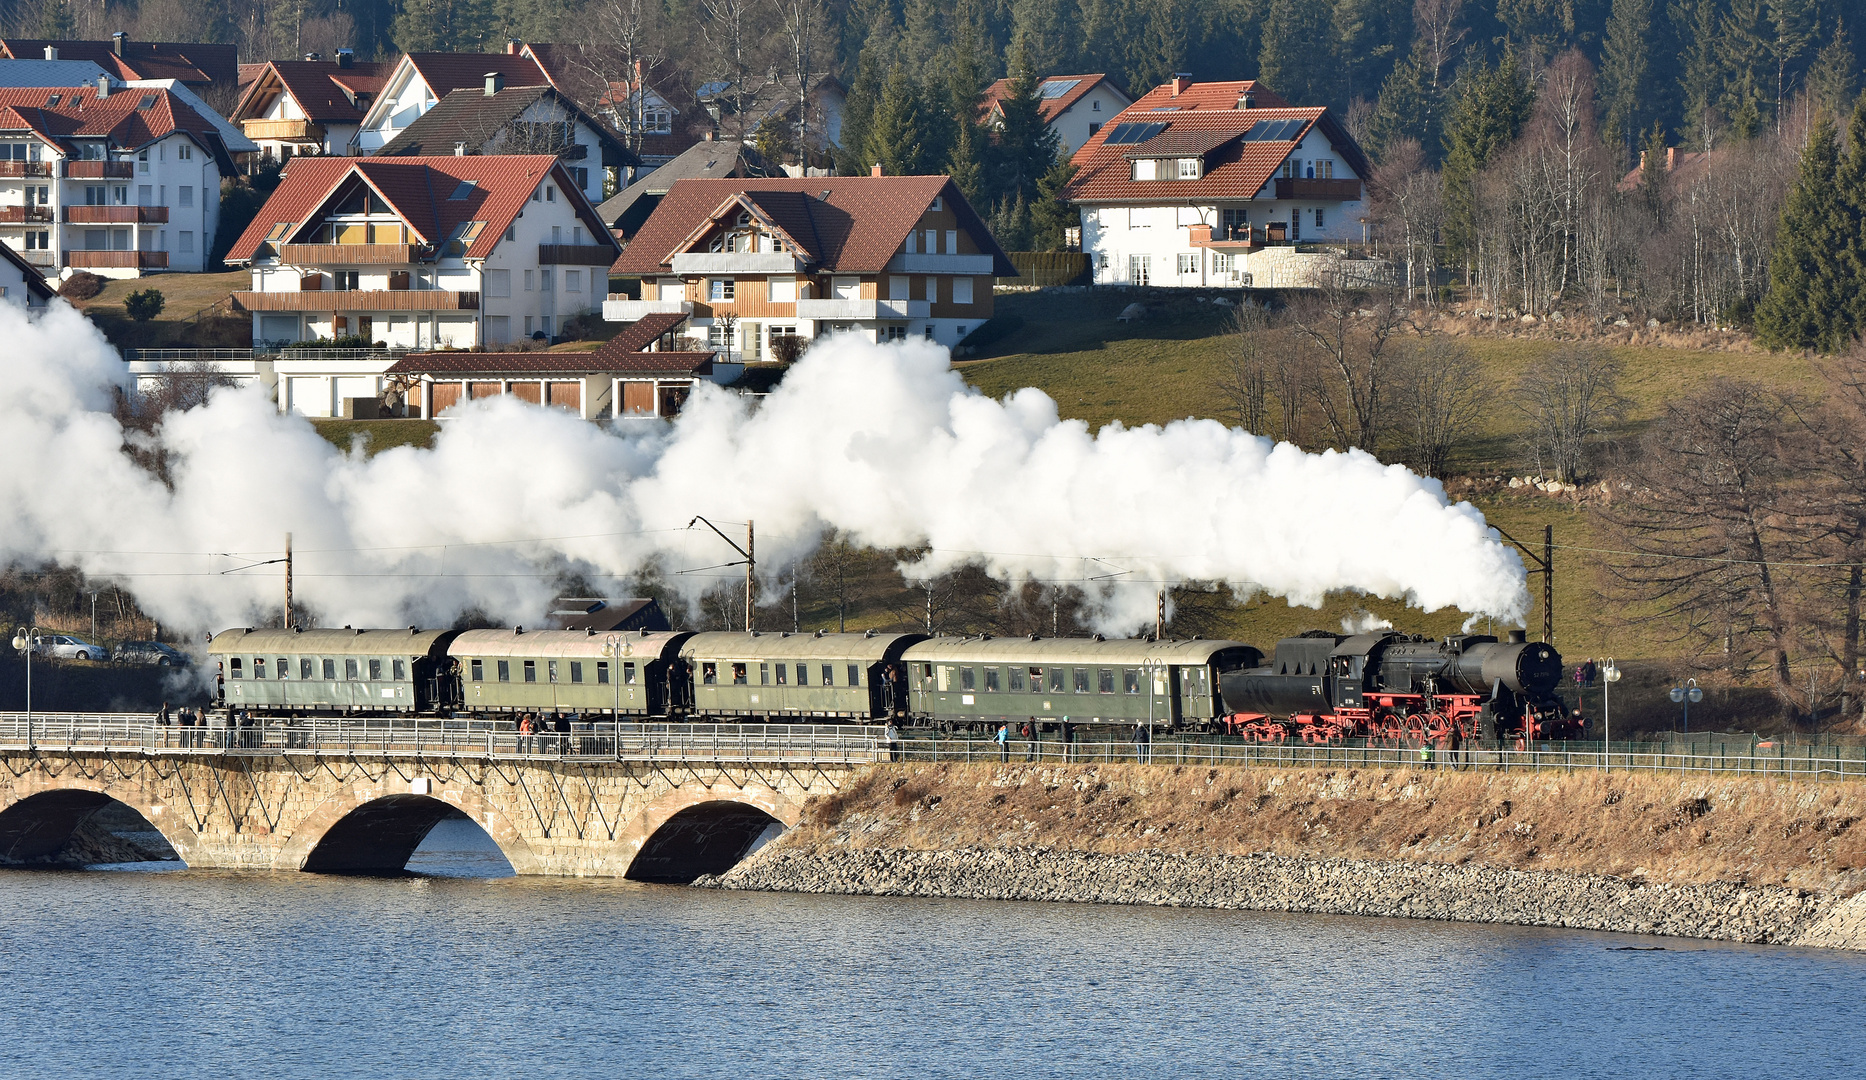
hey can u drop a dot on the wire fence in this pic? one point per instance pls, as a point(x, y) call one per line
point(852, 745)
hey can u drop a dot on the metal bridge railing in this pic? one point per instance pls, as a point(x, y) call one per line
point(802, 744)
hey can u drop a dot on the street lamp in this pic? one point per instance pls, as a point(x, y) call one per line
point(1152, 665)
point(1687, 695)
point(23, 640)
point(615, 649)
point(1609, 675)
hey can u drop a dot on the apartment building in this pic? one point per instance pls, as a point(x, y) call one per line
point(295, 107)
point(419, 253)
point(114, 180)
point(753, 260)
point(1217, 184)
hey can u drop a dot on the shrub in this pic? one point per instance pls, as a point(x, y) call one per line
point(145, 304)
point(582, 327)
point(81, 286)
point(786, 348)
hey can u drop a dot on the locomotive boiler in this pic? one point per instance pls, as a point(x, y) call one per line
point(1323, 687)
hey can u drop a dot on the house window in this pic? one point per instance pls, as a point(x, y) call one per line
point(1188, 168)
point(1093, 128)
point(1295, 225)
point(782, 290)
point(39, 241)
point(186, 194)
point(346, 280)
point(962, 290)
point(929, 331)
point(184, 152)
point(1221, 263)
point(1325, 169)
point(894, 333)
point(546, 280)
point(1318, 217)
point(499, 283)
point(1188, 263)
point(142, 162)
point(658, 122)
point(1234, 225)
point(573, 281)
point(1146, 169)
point(528, 281)
point(582, 176)
point(1139, 269)
point(719, 290)
point(550, 194)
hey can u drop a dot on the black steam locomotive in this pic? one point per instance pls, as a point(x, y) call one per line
point(1321, 687)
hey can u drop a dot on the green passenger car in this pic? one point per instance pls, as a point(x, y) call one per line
point(987, 680)
point(797, 676)
point(565, 671)
point(312, 672)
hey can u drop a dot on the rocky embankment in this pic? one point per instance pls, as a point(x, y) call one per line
point(1738, 860)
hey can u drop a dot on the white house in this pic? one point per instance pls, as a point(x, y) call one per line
point(20, 281)
point(111, 179)
point(417, 253)
point(308, 106)
point(1218, 184)
point(419, 81)
point(1074, 106)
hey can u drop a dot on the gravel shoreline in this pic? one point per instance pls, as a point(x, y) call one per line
point(1462, 893)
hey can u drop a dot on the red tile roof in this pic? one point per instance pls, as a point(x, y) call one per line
point(420, 189)
point(597, 362)
point(1204, 121)
point(193, 63)
point(643, 332)
point(1048, 108)
point(317, 86)
point(849, 224)
point(447, 72)
point(120, 117)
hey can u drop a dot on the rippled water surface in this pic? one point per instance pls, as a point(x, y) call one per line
point(204, 974)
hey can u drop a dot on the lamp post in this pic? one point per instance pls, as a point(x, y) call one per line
point(23, 640)
point(1609, 675)
point(1152, 665)
point(615, 649)
point(1687, 695)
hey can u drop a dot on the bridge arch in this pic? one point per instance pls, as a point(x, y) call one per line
point(693, 831)
point(36, 827)
point(371, 831)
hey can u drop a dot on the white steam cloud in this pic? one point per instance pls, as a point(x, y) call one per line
point(884, 443)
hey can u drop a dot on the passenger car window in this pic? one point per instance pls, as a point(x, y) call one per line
point(829, 674)
point(602, 673)
point(709, 674)
point(305, 668)
point(478, 670)
point(1056, 680)
point(234, 670)
point(1106, 680)
point(738, 674)
point(400, 671)
point(531, 671)
point(375, 671)
point(764, 674)
point(350, 668)
point(284, 668)
point(628, 673)
point(991, 679)
point(855, 674)
point(576, 671)
point(330, 669)
point(551, 670)
point(1016, 675)
point(783, 674)
point(968, 678)
point(505, 671)
point(1081, 680)
point(259, 667)
point(803, 674)
point(1130, 681)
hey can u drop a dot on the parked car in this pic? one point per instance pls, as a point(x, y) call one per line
point(149, 652)
point(68, 647)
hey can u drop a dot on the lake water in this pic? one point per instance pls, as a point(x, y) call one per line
point(207, 974)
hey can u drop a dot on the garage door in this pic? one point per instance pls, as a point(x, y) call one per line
point(446, 396)
point(637, 399)
point(308, 395)
point(565, 395)
point(526, 391)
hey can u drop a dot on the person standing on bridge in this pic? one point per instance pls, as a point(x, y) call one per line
point(1004, 740)
point(161, 719)
point(1143, 743)
point(524, 733)
point(892, 735)
point(1030, 735)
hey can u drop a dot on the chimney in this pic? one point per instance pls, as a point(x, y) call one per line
point(495, 82)
point(460, 149)
point(1181, 80)
point(314, 56)
point(876, 170)
point(1671, 157)
point(51, 52)
point(346, 58)
point(512, 46)
point(1247, 101)
point(117, 41)
point(103, 87)
point(1642, 161)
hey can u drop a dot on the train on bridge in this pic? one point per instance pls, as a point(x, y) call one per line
point(1317, 688)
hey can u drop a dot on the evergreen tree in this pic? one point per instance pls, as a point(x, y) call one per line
point(1041, 27)
point(1492, 105)
point(1699, 77)
point(56, 21)
point(1852, 224)
point(1053, 214)
point(1811, 281)
point(1365, 39)
point(1026, 148)
point(896, 139)
point(1830, 78)
point(1624, 70)
point(965, 161)
point(1743, 52)
point(858, 116)
point(1293, 57)
point(1409, 108)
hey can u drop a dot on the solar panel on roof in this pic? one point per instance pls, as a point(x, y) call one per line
point(1274, 130)
point(1132, 132)
point(1057, 88)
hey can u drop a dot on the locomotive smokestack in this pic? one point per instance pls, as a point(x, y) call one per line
point(1517, 637)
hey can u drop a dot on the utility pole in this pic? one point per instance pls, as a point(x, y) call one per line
point(288, 581)
point(1159, 621)
point(1544, 565)
point(750, 563)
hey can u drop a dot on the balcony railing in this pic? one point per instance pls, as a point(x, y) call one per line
point(619, 308)
point(99, 170)
point(1330, 190)
point(348, 254)
point(118, 260)
point(737, 262)
point(282, 129)
point(862, 310)
point(25, 168)
point(924, 263)
point(575, 255)
point(20, 215)
point(116, 215)
point(359, 300)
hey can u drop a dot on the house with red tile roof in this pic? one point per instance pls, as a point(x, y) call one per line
point(643, 372)
point(196, 65)
point(1218, 184)
point(1074, 106)
point(418, 253)
point(294, 107)
point(418, 81)
point(755, 260)
point(21, 282)
point(110, 179)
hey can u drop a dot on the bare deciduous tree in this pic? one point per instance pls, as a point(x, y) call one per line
point(1349, 332)
point(1245, 382)
point(1439, 394)
point(1568, 396)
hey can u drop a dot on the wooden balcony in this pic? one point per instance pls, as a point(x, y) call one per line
point(359, 300)
point(348, 254)
point(99, 170)
point(116, 215)
point(21, 215)
point(25, 168)
point(575, 255)
point(1322, 190)
point(118, 260)
point(282, 129)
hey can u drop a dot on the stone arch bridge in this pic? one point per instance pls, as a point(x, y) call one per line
point(651, 802)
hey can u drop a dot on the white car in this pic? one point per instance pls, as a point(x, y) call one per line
point(68, 647)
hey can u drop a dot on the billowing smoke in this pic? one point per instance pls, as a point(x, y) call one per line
point(885, 444)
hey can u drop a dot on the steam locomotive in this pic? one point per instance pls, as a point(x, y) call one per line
point(1324, 687)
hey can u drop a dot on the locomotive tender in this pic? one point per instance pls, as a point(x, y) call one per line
point(1319, 687)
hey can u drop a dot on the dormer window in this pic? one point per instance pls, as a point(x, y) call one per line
point(1188, 168)
point(148, 102)
point(936, 204)
point(52, 102)
point(745, 218)
point(464, 191)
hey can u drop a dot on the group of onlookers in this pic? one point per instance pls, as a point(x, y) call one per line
point(205, 728)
